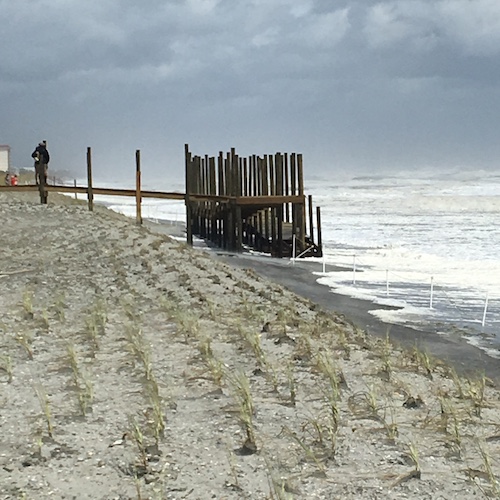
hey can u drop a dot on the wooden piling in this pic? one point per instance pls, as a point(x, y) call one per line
point(287, 186)
point(235, 201)
point(138, 200)
point(318, 225)
point(90, 192)
point(302, 207)
point(311, 225)
point(189, 211)
point(279, 210)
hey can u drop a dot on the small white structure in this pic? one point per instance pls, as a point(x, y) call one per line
point(4, 158)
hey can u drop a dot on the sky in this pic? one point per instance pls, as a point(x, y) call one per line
point(354, 85)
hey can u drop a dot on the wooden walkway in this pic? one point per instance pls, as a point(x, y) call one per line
point(233, 202)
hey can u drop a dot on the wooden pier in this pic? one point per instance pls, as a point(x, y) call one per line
point(256, 202)
point(235, 203)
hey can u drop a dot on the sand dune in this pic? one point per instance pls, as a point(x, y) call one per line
point(132, 366)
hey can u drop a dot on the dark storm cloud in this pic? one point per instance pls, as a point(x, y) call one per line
point(351, 84)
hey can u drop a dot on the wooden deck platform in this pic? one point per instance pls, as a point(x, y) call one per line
point(257, 201)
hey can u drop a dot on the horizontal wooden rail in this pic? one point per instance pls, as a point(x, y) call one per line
point(239, 200)
point(20, 187)
point(116, 192)
point(209, 197)
point(102, 191)
point(269, 200)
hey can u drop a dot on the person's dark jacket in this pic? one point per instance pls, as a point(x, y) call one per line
point(42, 154)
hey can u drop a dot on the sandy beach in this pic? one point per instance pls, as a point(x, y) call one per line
point(135, 367)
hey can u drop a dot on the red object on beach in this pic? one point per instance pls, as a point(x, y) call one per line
point(13, 180)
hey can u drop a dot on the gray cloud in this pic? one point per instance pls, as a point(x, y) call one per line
point(351, 84)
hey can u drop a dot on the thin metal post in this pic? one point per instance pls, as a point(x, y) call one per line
point(485, 310)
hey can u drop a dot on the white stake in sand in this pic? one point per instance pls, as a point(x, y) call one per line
point(293, 249)
point(324, 262)
point(354, 269)
point(485, 310)
point(387, 282)
point(432, 292)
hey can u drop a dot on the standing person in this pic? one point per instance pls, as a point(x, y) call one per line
point(42, 158)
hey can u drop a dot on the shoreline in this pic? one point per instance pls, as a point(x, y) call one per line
point(300, 279)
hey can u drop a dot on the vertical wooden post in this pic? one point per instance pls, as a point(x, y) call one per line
point(245, 176)
point(138, 200)
point(265, 181)
point(260, 228)
point(272, 185)
point(293, 192)
point(222, 208)
point(311, 226)
point(318, 224)
point(239, 229)
point(194, 180)
point(189, 213)
point(302, 216)
point(257, 176)
point(233, 166)
point(90, 192)
point(74, 183)
point(279, 210)
point(236, 243)
point(287, 186)
point(267, 215)
point(227, 174)
point(241, 179)
point(279, 173)
point(212, 175)
point(293, 175)
point(220, 171)
point(258, 173)
point(206, 178)
point(202, 207)
point(213, 206)
point(208, 205)
point(272, 211)
point(228, 225)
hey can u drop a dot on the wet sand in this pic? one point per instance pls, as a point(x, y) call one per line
point(300, 278)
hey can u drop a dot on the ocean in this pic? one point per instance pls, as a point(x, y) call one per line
point(427, 243)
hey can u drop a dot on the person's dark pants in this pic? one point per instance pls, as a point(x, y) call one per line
point(41, 173)
point(41, 180)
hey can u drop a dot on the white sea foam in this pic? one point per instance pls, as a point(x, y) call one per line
point(412, 239)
